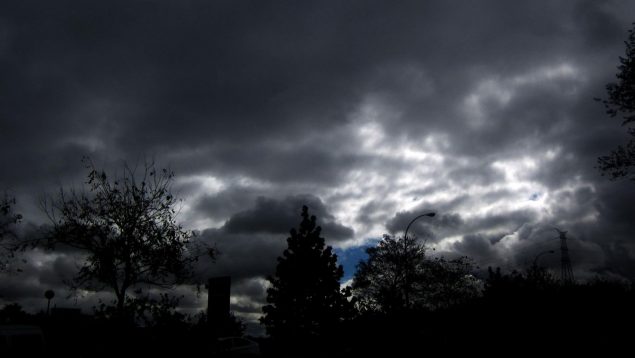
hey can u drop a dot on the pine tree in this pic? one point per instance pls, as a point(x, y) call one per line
point(305, 299)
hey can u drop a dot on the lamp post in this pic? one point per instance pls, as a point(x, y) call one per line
point(537, 275)
point(405, 235)
point(407, 266)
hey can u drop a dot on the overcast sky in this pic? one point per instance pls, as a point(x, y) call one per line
point(369, 112)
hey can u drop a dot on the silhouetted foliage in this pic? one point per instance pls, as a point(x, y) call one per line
point(541, 278)
point(145, 311)
point(621, 101)
point(8, 238)
point(398, 276)
point(390, 279)
point(13, 313)
point(449, 282)
point(305, 299)
point(231, 327)
point(126, 227)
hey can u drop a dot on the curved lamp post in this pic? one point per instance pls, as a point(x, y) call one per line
point(405, 235)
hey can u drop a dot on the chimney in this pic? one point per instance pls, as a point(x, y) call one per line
point(218, 301)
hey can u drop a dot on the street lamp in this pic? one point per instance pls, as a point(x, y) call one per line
point(405, 243)
point(538, 275)
point(49, 294)
point(415, 219)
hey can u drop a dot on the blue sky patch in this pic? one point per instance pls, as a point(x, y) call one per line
point(350, 257)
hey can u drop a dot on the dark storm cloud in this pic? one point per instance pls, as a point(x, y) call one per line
point(238, 88)
point(146, 76)
point(229, 79)
point(512, 220)
point(366, 213)
point(279, 216)
point(243, 256)
point(38, 271)
point(225, 203)
point(33, 271)
point(250, 241)
point(250, 288)
point(615, 234)
point(479, 247)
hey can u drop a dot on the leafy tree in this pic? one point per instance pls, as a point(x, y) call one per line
point(305, 299)
point(125, 225)
point(8, 238)
point(621, 101)
point(398, 276)
point(449, 283)
point(390, 277)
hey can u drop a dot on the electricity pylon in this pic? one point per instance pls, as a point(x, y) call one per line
point(566, 273)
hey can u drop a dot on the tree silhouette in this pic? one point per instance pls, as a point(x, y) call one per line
point(398, 276)
point(449, 282)
point(126, 227)
point(13, 313)
point(621, 101)
point(380, 281)
point(8, 238)
point(305, 299)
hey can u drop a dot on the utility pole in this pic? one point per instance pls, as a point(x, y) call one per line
point(566, 273)
point(219, 289)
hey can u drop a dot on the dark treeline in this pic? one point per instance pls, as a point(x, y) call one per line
point(402, 301)
point(69, 333)
point(516, 312)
